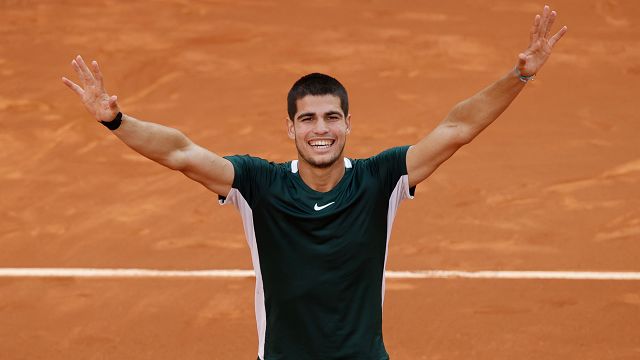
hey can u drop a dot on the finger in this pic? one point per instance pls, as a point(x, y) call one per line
point(97, 74)
point(73, 86)
point(542, 29)
point(79, 72)
point(85, 70)
point(555, 38)
point(534, 29)
point(552, 18)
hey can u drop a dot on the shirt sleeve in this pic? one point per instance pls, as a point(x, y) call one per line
point(390, 167)
point(251, 176)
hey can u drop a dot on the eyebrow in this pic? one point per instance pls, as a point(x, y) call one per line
point(328, 113)
point(305, 114)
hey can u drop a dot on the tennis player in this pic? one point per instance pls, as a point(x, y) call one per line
point(318, 227)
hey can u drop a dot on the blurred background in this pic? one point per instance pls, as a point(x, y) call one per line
point(553, 184)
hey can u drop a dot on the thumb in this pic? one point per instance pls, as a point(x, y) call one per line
point(522, 59)
point(113, 102)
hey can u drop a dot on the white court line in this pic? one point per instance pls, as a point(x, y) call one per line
point(426, 274)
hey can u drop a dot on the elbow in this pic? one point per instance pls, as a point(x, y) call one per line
point(172, 164)
point(454, 134)
point(461, 131)
point(465, 136)
point(175, 160)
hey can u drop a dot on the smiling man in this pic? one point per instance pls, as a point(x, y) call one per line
point(318, 227)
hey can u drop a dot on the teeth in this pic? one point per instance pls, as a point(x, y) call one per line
point(320, 142)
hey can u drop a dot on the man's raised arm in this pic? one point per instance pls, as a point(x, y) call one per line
point(164, 145)
point(469, 117)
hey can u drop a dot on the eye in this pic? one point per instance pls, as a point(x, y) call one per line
point(334, 117)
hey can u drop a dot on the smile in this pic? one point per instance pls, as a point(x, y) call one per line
point(321, 143)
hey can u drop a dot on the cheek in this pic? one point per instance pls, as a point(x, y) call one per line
point(301, 132)
point(340, 129)
point(299, 136)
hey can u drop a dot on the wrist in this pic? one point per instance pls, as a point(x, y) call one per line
point(523, 78)
point(113, 124)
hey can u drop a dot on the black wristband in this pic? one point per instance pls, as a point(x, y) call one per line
point(113, 124)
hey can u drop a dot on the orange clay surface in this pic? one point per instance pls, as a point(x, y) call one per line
point(554, 184)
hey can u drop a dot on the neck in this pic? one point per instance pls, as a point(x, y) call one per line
point(321, 179)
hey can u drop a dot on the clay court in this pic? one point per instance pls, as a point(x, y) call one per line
point(553, 185)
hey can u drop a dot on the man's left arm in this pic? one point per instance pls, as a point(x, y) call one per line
point(469, 117)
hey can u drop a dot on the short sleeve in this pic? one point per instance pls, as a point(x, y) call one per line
point(251, 177)
point(390, 167)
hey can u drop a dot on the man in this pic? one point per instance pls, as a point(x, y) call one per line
point(318, 227)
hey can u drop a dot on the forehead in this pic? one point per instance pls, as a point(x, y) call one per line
point(318, 104)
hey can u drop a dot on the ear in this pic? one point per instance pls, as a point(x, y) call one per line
point(347, 120)
point(291, 130)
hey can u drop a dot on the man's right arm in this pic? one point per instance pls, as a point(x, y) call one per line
point(165, 145)
point(173, 149)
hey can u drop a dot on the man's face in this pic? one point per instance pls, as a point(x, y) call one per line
point(319, 129)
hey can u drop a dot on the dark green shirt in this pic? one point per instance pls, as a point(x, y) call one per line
point(319, 257)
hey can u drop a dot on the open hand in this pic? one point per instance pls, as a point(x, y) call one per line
point(94, 97)
point(531, 60)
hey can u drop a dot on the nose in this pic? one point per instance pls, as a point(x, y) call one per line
point(321, 127)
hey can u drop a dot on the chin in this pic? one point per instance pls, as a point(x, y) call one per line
point(322, 164)
point(322, 161)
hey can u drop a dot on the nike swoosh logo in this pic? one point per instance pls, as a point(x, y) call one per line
point(318, 208)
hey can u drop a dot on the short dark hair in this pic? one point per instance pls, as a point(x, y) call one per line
point(316, 84)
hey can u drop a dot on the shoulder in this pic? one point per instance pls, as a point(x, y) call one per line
point(252, 169)
point(250, 161)
point(395, 156)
